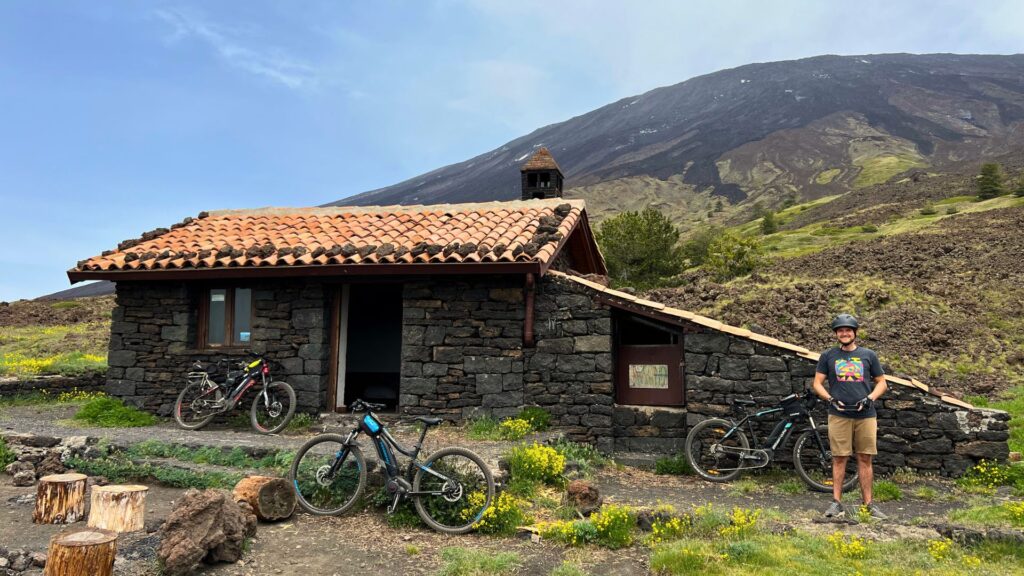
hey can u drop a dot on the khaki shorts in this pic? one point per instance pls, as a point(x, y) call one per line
point(849, 435)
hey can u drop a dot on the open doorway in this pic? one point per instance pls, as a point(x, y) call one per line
point(370, 357)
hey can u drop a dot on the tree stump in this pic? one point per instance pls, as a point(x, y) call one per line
point(271, 498)
point(88, 552)
point(60, 499)
point(118, 508)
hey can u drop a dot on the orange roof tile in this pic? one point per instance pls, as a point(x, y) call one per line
point(515, 231)
point(542, 160)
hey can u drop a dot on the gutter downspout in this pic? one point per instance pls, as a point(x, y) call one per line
point(528, 289)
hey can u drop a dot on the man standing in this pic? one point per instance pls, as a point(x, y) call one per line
point(855, 382)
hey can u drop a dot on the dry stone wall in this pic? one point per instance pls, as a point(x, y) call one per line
point(153, 340)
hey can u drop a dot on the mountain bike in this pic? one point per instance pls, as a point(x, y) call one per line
point(718, 449)
point(217, 388)
point(451, 489)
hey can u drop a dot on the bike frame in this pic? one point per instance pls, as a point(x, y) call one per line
point(778, 436)
point(255, 369)
point(385, 444)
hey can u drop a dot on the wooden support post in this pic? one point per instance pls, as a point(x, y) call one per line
point(528, 288)
point(271, 498)
point(60, 499)
point(118, 508)
point(88, 552)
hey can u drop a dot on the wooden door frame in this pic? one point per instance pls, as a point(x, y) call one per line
point(339, 349)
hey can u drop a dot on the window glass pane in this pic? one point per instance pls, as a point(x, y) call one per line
point(243, 315)
point(217, 317)
point(648, 376)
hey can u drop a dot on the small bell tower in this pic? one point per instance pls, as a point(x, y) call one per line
point(542, 178)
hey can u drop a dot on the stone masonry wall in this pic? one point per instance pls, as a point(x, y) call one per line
point(153, 340)
point(463, 354)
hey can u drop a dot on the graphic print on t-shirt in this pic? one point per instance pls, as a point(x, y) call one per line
point(851, 370)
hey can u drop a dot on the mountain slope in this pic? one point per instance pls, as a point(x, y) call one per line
point(802, 128)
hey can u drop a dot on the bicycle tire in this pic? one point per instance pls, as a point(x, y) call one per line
point(193, 424)
point(458, 510)
point(698, 456)
point(807, 450)
point(289, 393)
point(307, 474)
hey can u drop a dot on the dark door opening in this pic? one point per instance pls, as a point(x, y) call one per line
point(373, 355)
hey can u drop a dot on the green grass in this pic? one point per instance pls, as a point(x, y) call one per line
point(66, 349)
point(107, 412)
point(121, 469)
point(879, 169)
point(568, 569)
point(1013, 403)
point(886, 491)
point(806, 554)
point(585, 456)
point(926, 493)
point(300, 422)
point(6, 454)
point(485, 428)
point(999, 515)
point(278, 461)
point(468, 562)
point(827, 176)
point(675, 465)
point(744, 486)
point(791, 487)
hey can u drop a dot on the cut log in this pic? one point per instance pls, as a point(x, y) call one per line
point(118, 508)
point(60, 499)
point(88, 552)
point(271, 498)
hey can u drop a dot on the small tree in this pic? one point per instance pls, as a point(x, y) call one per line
point(990, 181)
point(695, 250)
point(1019, 191)
point(769, 223)
point(730, 256)
point(718, 205)
point(640, 248)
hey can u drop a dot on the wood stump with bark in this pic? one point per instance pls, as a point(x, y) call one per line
point(270, 498)
point(88, 552)
point(118, 508)
point(60, 499)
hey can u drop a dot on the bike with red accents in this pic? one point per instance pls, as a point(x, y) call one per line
point(218, 387)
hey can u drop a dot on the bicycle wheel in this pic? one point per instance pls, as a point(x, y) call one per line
point(197, 404)
point(813, 462)
point(321, 491)
point(464, 490)
point(704, 451)
point(272, 416)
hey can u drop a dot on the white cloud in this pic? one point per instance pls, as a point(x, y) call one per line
point(270, 63)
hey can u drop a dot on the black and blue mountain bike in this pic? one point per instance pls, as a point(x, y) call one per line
point(451, 489)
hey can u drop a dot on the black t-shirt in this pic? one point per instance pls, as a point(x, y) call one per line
point(851, 377)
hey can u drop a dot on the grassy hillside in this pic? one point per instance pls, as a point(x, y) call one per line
point(66, 337)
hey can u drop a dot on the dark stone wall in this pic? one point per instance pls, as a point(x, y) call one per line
point(53, 385)
point(153, 340)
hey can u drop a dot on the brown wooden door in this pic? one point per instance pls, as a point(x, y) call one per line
point(650, 374)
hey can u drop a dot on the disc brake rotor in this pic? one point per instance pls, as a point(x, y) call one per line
point(275, 409)
point(451, 491)
point(322, 475)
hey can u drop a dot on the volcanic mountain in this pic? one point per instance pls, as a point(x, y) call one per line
point(792, 130)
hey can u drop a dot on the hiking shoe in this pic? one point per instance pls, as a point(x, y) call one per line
point(836, 510)
point(875, 512)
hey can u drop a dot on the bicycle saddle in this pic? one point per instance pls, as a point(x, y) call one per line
point(743, 402)
point(428, 420)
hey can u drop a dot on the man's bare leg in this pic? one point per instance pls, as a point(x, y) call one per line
point(867, 476)
point(838, 476)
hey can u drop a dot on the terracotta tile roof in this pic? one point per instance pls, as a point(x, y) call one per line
point(517, 231)
point(542, 160)
point(666, 311)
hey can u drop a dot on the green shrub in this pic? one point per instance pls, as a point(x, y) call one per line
point(485, 428)
point(695, 250)
point(731, 256)
point(538, 417)
point(468, 562)
point(570, 532)
point(614, 526)
point(640, 248)
point(926, 493)
point(769, 223)
point(536, 463)
point(887, 491)
point(990, 181)
point(869, 228)
point(952, 210)
point(684, 557)
point(514, 429)
point(928, 210)
point(791, 487)
point(6, 454)
point(120, 469)
point(107, 412)
point(586, 456)
point(676, 465)
point(501, 518)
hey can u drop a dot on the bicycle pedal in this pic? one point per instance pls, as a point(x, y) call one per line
point(394, 503)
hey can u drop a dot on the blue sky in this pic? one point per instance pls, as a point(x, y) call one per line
point(121, 117)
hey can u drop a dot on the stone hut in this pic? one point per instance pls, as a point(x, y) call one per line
point(460, 310)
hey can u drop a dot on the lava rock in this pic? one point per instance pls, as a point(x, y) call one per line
point(205, 526)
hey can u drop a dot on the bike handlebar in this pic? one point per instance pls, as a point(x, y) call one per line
point(358, 405)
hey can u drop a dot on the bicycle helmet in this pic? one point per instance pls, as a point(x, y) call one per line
point(845, 321)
